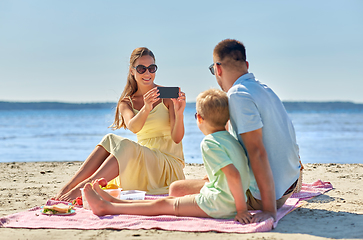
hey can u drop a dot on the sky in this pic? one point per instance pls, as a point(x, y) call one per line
point(78, 51)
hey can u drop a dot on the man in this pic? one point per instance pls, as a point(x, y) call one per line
point(260, 122)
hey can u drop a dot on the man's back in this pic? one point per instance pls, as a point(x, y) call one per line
point(254, 105)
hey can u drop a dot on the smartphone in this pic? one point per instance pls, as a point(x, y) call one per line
point(168, 92)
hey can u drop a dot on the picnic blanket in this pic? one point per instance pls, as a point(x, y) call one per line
point(85, 219)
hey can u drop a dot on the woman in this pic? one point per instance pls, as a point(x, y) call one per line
point(156, 160)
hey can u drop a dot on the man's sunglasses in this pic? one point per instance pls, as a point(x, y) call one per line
point(142, 69)
point(211, 67)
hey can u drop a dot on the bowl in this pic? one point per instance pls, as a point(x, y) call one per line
point(84, 201)
point(132, 195)
point(114, 192)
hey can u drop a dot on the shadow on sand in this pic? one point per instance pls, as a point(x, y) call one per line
point(322, 223)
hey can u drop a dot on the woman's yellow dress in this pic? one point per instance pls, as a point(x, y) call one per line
point(153, 162)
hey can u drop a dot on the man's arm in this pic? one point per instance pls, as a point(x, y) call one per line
point(261, 169)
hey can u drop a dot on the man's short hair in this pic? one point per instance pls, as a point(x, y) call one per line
point(232, 49)
point(212, 106)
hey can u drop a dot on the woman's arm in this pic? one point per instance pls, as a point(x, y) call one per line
point(136, 122)
point(176, 115)
point(235, 185)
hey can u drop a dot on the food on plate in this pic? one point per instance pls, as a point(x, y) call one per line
point(57, 209)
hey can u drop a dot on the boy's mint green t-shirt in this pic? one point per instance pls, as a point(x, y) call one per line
point(220, 149)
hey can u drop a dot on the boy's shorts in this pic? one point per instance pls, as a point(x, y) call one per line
point(190, 206)
point(256, 204)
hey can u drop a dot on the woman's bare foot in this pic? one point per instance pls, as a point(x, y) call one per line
point(96, 202)
point(65, 194)
point(71, 195)
point(64, 190)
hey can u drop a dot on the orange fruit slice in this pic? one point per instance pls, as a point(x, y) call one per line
point(111, 186)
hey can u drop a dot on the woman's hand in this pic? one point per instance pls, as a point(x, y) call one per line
point(135, 122)
point(243, 217)
point(176, 117)
point(150, 98)
point(179, 103)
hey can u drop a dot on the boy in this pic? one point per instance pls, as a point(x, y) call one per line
point(226, 164)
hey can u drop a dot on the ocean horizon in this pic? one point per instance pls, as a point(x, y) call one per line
point(327, 132)
point(289, 105)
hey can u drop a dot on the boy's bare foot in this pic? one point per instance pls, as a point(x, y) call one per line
point(96, 202)
point(97, 188)
point(106, 196)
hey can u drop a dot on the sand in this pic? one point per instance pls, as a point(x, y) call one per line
point(337, 214)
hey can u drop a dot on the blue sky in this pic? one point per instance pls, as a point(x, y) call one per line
point(78, 51)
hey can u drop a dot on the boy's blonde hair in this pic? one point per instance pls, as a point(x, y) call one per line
point(212, 106)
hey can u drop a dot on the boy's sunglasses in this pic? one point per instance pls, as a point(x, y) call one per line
point(211, 67)
point(196, 116)
point(142, 69)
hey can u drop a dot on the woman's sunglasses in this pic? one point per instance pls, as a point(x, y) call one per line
point(141, 69)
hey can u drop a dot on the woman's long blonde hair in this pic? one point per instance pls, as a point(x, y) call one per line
point(131, 85)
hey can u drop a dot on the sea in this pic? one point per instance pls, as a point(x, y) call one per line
point(327, 132)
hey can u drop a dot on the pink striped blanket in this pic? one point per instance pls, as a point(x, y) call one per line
point(85, 219)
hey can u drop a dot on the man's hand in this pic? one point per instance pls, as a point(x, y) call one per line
point(262, 216)
point(260, 165)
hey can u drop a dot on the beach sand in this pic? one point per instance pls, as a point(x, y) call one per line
point(337, 214)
